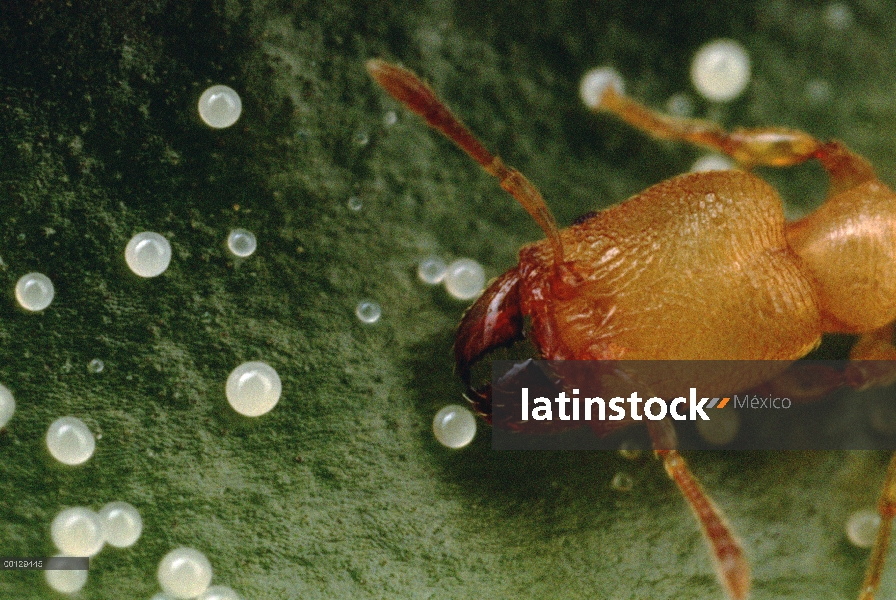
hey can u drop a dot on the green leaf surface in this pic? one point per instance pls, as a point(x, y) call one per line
point(341, 491)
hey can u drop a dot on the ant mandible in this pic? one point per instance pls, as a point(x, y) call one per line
point(768, 288)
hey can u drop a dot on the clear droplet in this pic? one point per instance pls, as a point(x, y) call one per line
point(838, 16)
point(595, 82)
point(220, 106)
point(432, 270)
point(818, 92)
point(720, 70)
point(77, 531)
point(95, 366)
point(354, 204)
point(34, 291)
point(680, 105)
point(7, 405)
point(122, 524)
point(184, 573)
point(70, 441)
point(361, 138)
point(712, 162)
point(368, 311)
point(66, 581)
point(220, 592)
point(622, 482)
point(253, 388)
point(630, 450)
point(454, 426)
point(148, 254)
point(465, 279)
point(722, 428)
point(861, 527)
point(241, 242)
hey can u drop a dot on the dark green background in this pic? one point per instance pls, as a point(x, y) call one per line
point(341, 491)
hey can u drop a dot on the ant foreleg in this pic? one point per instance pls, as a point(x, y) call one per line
point(731, 565)
point(886, 507)
point(767, 146)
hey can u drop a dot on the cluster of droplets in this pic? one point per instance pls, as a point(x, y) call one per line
point(463, 279)
point(252, 389)
point(79, 531)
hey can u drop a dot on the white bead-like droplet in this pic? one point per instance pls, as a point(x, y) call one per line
point(595, 82)
point(95, 366)
point(454, 426)
point(465, 279)
point(722, 428)
point(220, 592)
point(622, 482)
point(77, 531)
point(66, 581)
point(861, 527)
point(838, 16)
point(122, 524)
point(354, 204)
point(630, 450)
point(70, 441)
point(7, 405)
point(241, 242)
point(148, 254)
point(34, 291)
point(220, 106)
point(432, 270)
point(253, 388)
point(712, 162)
point(390, 118)
point(184, 573)
point(368, 311)
point(361, 138)
point(680, 105)
point(818, 91)
point(720, 70)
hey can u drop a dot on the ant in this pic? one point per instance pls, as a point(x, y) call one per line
point(769, 288)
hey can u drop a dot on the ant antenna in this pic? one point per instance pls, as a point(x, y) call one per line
point(407, 88)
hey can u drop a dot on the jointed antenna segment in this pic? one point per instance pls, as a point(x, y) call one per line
point(408, 89)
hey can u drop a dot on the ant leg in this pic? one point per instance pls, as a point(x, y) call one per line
point(766, 146)
point(872, 360)
point(407, 88)
point(728, 557)
point(886, 507)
